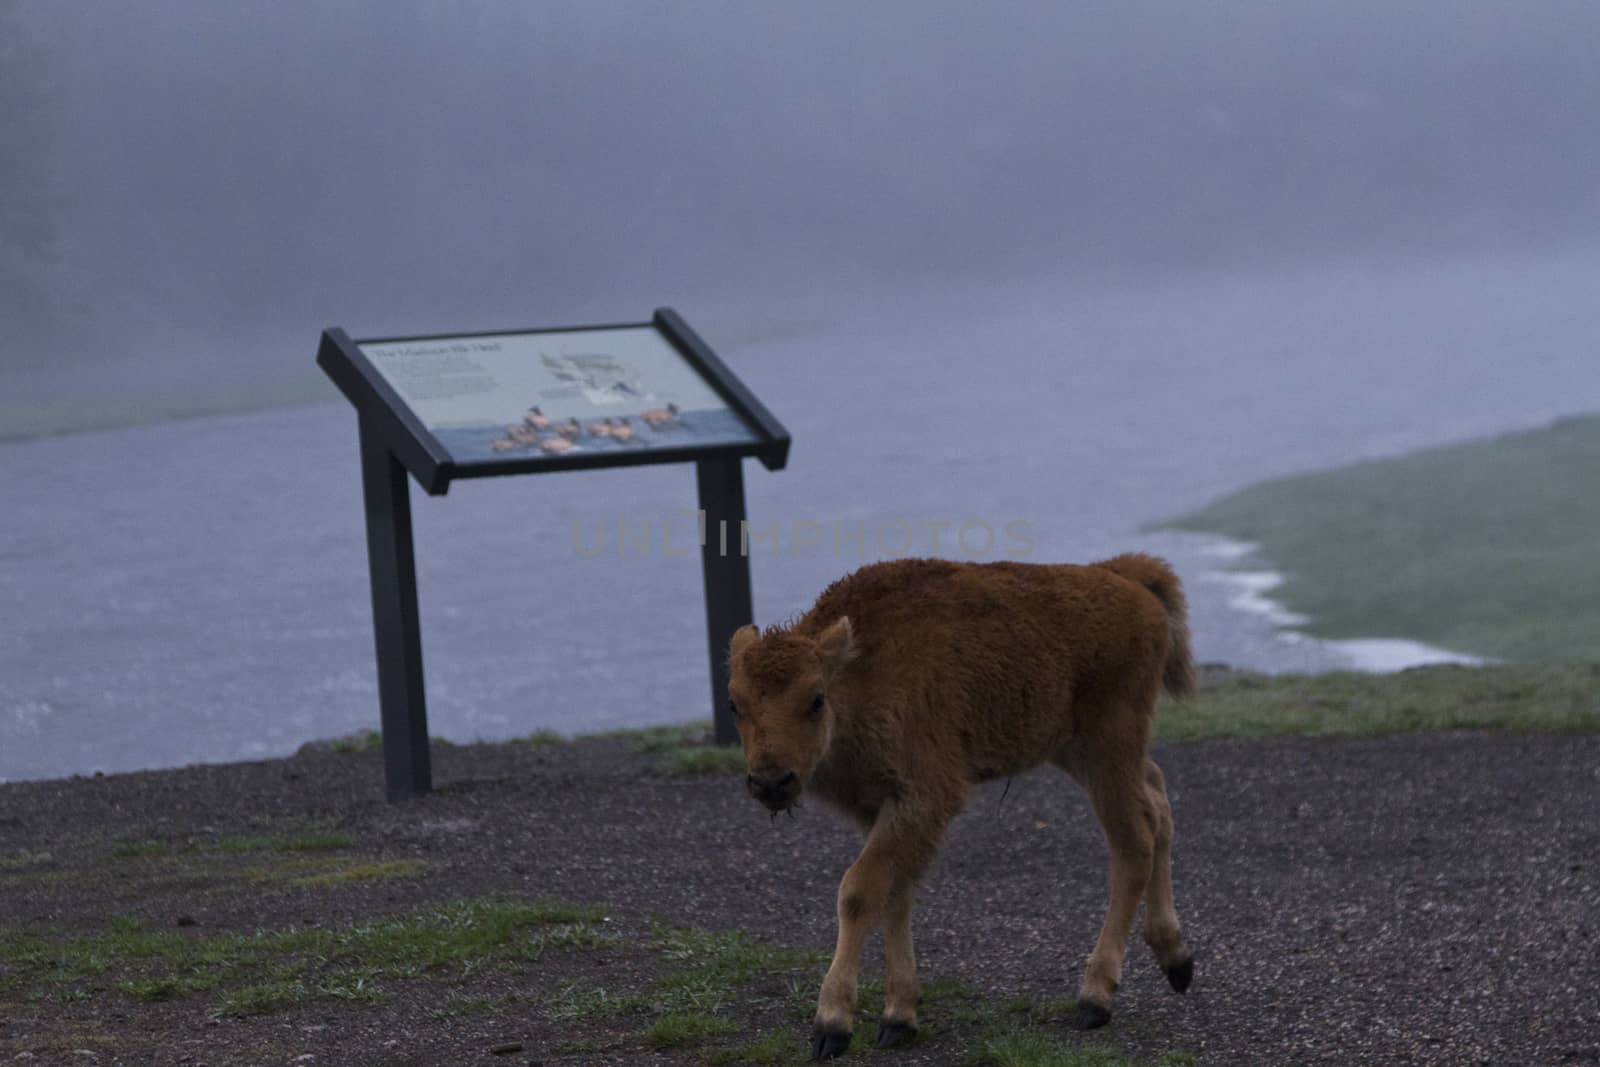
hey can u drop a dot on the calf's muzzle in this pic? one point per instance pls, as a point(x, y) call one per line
point(777, 790)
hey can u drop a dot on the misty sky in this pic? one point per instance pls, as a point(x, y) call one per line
point(222, 181)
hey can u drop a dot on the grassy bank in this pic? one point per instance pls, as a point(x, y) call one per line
point(1486, 547)
point(1529, 698)
point(1547, 698)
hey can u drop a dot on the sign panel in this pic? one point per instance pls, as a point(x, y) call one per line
point(481, 405)
point(556, 394)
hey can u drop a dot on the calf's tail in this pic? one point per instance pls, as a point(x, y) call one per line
point(1155, 575)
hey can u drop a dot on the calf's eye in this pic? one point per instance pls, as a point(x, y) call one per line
point(816, 706)
point(733, 709)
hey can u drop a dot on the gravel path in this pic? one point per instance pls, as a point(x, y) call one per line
point(1413, 899)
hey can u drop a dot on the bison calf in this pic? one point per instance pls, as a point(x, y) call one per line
point(911, 681)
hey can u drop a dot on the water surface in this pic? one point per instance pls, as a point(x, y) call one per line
point(196, 590)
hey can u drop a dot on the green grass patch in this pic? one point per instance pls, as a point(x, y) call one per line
point(571, 935)
point(540, 738)
point(457, 1004)
point(280, 869)
point(704, 975)
point(668, 739)
point(1486, 547)
point(948, 1000)
point(269, 971)
point(573, 1002)
point(245, 844)
point(685, 1027)
point(942, 1002)
point(133, 850)
point(701, 978)
point(1014, 1032)
point(582, 1046)
point(1533, 698)
point(657, 739)
point(263, 998)
point(704, 971)
point(700, 996)
point(155, 990)
point(1025, 1011)
point(320, 842)
point(771, 1050)
point(362, 741)
point(126, 944)
point(682, 749)
point(715, 760)
point(556, 912)
point(1027, 1048)
point(364, 872)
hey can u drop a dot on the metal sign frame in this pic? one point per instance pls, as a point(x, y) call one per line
point(396, 444)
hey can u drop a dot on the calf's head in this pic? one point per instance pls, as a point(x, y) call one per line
point(778, 688)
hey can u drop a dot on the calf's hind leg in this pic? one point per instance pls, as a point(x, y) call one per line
point(902, 988)
point(1161, 930)
point(1114, 777)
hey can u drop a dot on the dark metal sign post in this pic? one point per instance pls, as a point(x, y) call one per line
point(445, 407)
point(396, 626)
point(727, 576)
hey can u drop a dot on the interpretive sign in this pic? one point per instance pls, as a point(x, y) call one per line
point(562, 393)
point(446, 407)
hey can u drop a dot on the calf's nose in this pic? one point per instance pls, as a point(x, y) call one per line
point(771, 787)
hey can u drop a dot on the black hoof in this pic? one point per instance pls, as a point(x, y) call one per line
point(826, 1044)
point(1181, 974)
point(891, 1033)
point(1090, 1016)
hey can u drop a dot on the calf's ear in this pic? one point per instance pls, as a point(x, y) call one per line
point(836, 646)
point(743, 638)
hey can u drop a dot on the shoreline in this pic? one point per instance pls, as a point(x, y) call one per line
point(1249, 591)
point(1229, 703)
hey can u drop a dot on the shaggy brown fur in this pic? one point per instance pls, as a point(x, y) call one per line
point(911, 681)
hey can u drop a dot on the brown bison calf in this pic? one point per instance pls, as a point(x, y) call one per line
point(911, 681)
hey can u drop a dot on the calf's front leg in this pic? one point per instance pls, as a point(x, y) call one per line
point(876, 890)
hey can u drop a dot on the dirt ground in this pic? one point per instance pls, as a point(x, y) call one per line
point(1415, 899)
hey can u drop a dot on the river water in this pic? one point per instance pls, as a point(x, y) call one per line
point(196, 590)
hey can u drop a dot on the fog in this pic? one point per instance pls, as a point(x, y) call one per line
point(1086, 267)
point(190, 191)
